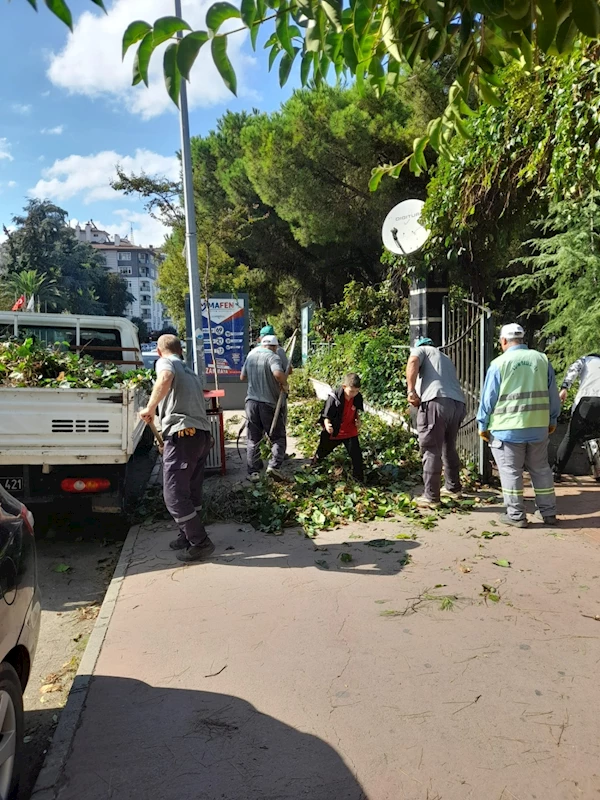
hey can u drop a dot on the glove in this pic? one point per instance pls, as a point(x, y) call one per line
point(551, 429)
point(485, 435)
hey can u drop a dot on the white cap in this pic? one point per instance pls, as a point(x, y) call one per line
point(270, 341)
point(512, 331)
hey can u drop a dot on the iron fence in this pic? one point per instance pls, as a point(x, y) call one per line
point(468, 332)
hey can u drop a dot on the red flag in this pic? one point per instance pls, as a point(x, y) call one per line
point(19, 304)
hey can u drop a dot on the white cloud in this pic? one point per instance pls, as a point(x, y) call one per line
point(11, 184)
point(53, 131)
point(90, 62)
point(46, 93)
point(90, 176)
point(22, 108)
point(5, 149)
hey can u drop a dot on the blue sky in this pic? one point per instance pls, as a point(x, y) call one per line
point(68, 112)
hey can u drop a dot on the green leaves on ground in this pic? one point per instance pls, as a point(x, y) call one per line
point(502, 562)
point(491, 534)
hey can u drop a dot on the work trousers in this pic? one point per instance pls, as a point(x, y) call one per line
point(438, 422)
point(584, 425)
point(327, 445)
point(512, 459)
point(259, 418)
point(184, 459)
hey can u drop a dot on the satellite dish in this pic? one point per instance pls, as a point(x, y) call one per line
point(402, 232)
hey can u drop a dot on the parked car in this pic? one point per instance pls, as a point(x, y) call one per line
point(20, 612)
point(150, 358)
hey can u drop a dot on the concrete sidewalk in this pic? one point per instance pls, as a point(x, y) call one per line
point(280, 672)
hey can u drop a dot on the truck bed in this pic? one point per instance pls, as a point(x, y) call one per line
point(69, 426)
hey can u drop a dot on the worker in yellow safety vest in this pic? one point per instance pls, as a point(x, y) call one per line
point(519, 408)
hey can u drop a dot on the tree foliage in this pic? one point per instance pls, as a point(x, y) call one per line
point(563, 273)
point(43, 249)
point(378, 42)
point(539, 146)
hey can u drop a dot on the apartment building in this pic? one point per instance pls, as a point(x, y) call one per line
point(138, 265)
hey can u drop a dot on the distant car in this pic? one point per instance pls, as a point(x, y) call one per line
point(20, 613)
point(149, 360)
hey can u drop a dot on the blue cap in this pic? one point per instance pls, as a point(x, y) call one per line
point(268, 330)
point(424, 340)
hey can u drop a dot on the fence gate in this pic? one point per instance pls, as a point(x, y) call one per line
point(468, 333)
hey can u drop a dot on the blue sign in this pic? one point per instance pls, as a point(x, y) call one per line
point(226, 318)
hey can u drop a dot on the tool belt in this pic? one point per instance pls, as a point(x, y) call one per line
point(186, 432)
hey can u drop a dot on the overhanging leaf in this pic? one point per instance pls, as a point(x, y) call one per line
point(362, 16)
point(223, 64)
point(586, 15)
point(165, 27)
point(547, 23)
point(171, 72)
point(61, 10)
point(285, 67)
point(283, 34)
point(307, 60)
point(188, 50)
point(142, 59)
point(333, 10)
point(248, 12)
point(136, 31)
point(218, 13)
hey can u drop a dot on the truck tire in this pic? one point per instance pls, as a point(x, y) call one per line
point(11, 731)
point(146, 443)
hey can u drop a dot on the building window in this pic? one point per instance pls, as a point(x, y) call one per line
point(125, 270)
point(144, 286)
point(124, 256)
point(146, 299)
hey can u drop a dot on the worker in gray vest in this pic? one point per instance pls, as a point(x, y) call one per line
point(585, 415)
point(519, 407)
point(178, 397)
point(434, 389)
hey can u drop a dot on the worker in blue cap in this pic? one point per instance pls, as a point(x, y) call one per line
point(433, 389)
point(269, 330)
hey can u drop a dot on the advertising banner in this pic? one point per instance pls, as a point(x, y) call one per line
point(229, 327)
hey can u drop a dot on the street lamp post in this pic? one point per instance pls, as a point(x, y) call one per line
point(191, 240)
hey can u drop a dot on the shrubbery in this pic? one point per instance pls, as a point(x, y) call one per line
point(367, 333)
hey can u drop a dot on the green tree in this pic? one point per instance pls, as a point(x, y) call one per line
point(377, 42)
point(30, 283)
point(143, 332)
point(114, 295)
point(43, 242)
point(563, 274)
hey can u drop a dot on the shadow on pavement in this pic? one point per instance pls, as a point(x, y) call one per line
point(139, 741)
point(243, 547)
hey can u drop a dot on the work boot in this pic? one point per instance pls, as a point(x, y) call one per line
point(515, 523)
point(548, 520)
point(276, 473)
point(180, 543)
point(450, 494)
point(426, 502)
point(197, 552)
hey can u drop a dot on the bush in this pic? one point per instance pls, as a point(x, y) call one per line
point(376, 355)
point(301, 387)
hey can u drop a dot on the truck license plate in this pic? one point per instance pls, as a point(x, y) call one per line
point(12, 484)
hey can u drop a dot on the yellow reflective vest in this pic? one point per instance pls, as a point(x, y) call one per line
point(523, 401)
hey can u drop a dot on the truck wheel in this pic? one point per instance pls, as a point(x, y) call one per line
point(11, 731)
point(146, 443)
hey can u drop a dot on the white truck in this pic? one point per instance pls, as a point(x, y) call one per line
point(60, 443)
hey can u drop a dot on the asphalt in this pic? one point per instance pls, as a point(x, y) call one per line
point(279, 671)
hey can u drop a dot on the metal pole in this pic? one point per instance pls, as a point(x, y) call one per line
point(191, 241)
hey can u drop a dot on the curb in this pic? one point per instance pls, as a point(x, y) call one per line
point(46, 785)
